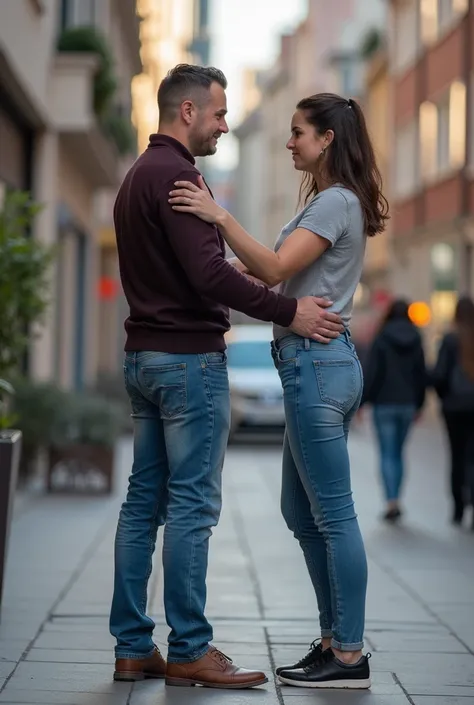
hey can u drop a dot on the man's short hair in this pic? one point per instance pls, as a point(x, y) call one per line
point(186, 82)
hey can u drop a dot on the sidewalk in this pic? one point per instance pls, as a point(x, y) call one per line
point(54, 643)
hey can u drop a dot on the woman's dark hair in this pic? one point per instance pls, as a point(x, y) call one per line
point(397, 311)
point(350, 158)
point(464, 322)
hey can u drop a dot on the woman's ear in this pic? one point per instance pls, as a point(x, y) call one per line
point(329, 137)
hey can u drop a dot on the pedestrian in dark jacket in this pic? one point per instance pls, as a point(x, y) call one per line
point(453, 379)
point(395, 385)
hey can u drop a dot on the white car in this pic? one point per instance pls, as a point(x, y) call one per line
point(255, 387)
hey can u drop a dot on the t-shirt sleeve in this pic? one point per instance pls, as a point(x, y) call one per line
point(327, 215)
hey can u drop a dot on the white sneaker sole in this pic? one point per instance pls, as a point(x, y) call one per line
point(360, 684)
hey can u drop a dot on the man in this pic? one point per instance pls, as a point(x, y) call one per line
point(179, 287)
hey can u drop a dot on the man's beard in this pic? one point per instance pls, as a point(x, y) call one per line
point(203, 147)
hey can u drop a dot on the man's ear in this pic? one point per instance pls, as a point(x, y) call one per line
point(187, 110)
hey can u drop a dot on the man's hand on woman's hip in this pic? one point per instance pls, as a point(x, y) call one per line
point(312, 320)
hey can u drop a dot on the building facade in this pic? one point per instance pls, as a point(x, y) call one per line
point(431, 64)
point(54, 144)
point(322, 54)
point(171, 33)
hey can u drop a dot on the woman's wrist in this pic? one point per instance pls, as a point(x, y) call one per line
point(222, 218)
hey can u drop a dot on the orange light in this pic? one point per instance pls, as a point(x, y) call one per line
point(419, 313)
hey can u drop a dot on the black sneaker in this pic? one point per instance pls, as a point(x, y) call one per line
point(392, 515)
point(313, 655)
point(329, 672)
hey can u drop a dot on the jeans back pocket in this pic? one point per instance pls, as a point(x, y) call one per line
point(338, 382)
point(165, 386)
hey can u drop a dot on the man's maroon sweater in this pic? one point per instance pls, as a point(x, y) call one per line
point(174, 273)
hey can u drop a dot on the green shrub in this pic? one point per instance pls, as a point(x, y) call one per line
point(24, 278)
point(121, 131)
point(90, 39)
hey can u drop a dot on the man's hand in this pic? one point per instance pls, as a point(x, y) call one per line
point(313, 321)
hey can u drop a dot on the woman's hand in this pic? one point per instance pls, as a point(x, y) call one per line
point(189, 198)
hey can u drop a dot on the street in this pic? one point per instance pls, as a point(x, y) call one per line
point(54, 642)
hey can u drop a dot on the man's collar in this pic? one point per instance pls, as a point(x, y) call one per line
point(159, 140)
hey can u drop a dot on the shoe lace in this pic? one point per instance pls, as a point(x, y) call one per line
point(324, 657)
point(221, 657)
point(315, 649)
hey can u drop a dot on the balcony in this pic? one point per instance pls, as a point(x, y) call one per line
point(71, 101)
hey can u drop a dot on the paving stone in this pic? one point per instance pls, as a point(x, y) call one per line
point(56, 697)
point(444, 700)
point(70, 656)
point(96, 641)
point(338, 697)
point(156, 693)
point(93, 678)
point(416, 642)
point(6, 667)
point(441, 669)
point(11, 650)
point(438, 690)
point(71, 661)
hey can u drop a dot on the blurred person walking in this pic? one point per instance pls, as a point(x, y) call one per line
point(395, 385)
point(179, 286)
point(453, 379)
point(320, 250)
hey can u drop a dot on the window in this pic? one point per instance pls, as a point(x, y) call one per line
point(77, 13)
point(443, 132)
point(460, 7)
point(428, 139)
point(405, 38)
point(438, 16)
point(429, 21)
point(405, 160)
point(457, 124)
point(443, 136)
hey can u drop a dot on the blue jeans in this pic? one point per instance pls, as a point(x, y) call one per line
point(392, 423)
point(322, 387)
point(181, 412)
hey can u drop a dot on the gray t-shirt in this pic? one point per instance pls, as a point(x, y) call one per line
point(336, 215)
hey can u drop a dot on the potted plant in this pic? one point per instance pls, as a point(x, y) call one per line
point(10, 445)
point(83, 442)
point(24, 267)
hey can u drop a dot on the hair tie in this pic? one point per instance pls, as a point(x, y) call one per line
point(349, 103)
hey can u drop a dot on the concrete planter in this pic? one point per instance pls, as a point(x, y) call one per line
point(81, 469)
point(10, 452)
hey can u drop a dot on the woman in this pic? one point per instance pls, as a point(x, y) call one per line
point(395, 384)
point(453, 379)
point(320, 252)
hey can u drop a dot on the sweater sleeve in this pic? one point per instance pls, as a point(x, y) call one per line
point(197, 246)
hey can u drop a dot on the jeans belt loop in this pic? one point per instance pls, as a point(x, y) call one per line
point(307, 343)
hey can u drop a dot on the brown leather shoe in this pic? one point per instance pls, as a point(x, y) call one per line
point(213, 670)
point(137, 669)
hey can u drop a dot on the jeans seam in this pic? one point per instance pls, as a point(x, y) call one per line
point(298, 372)
point(321, 510)
point(315, 572)
point(193, 547)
